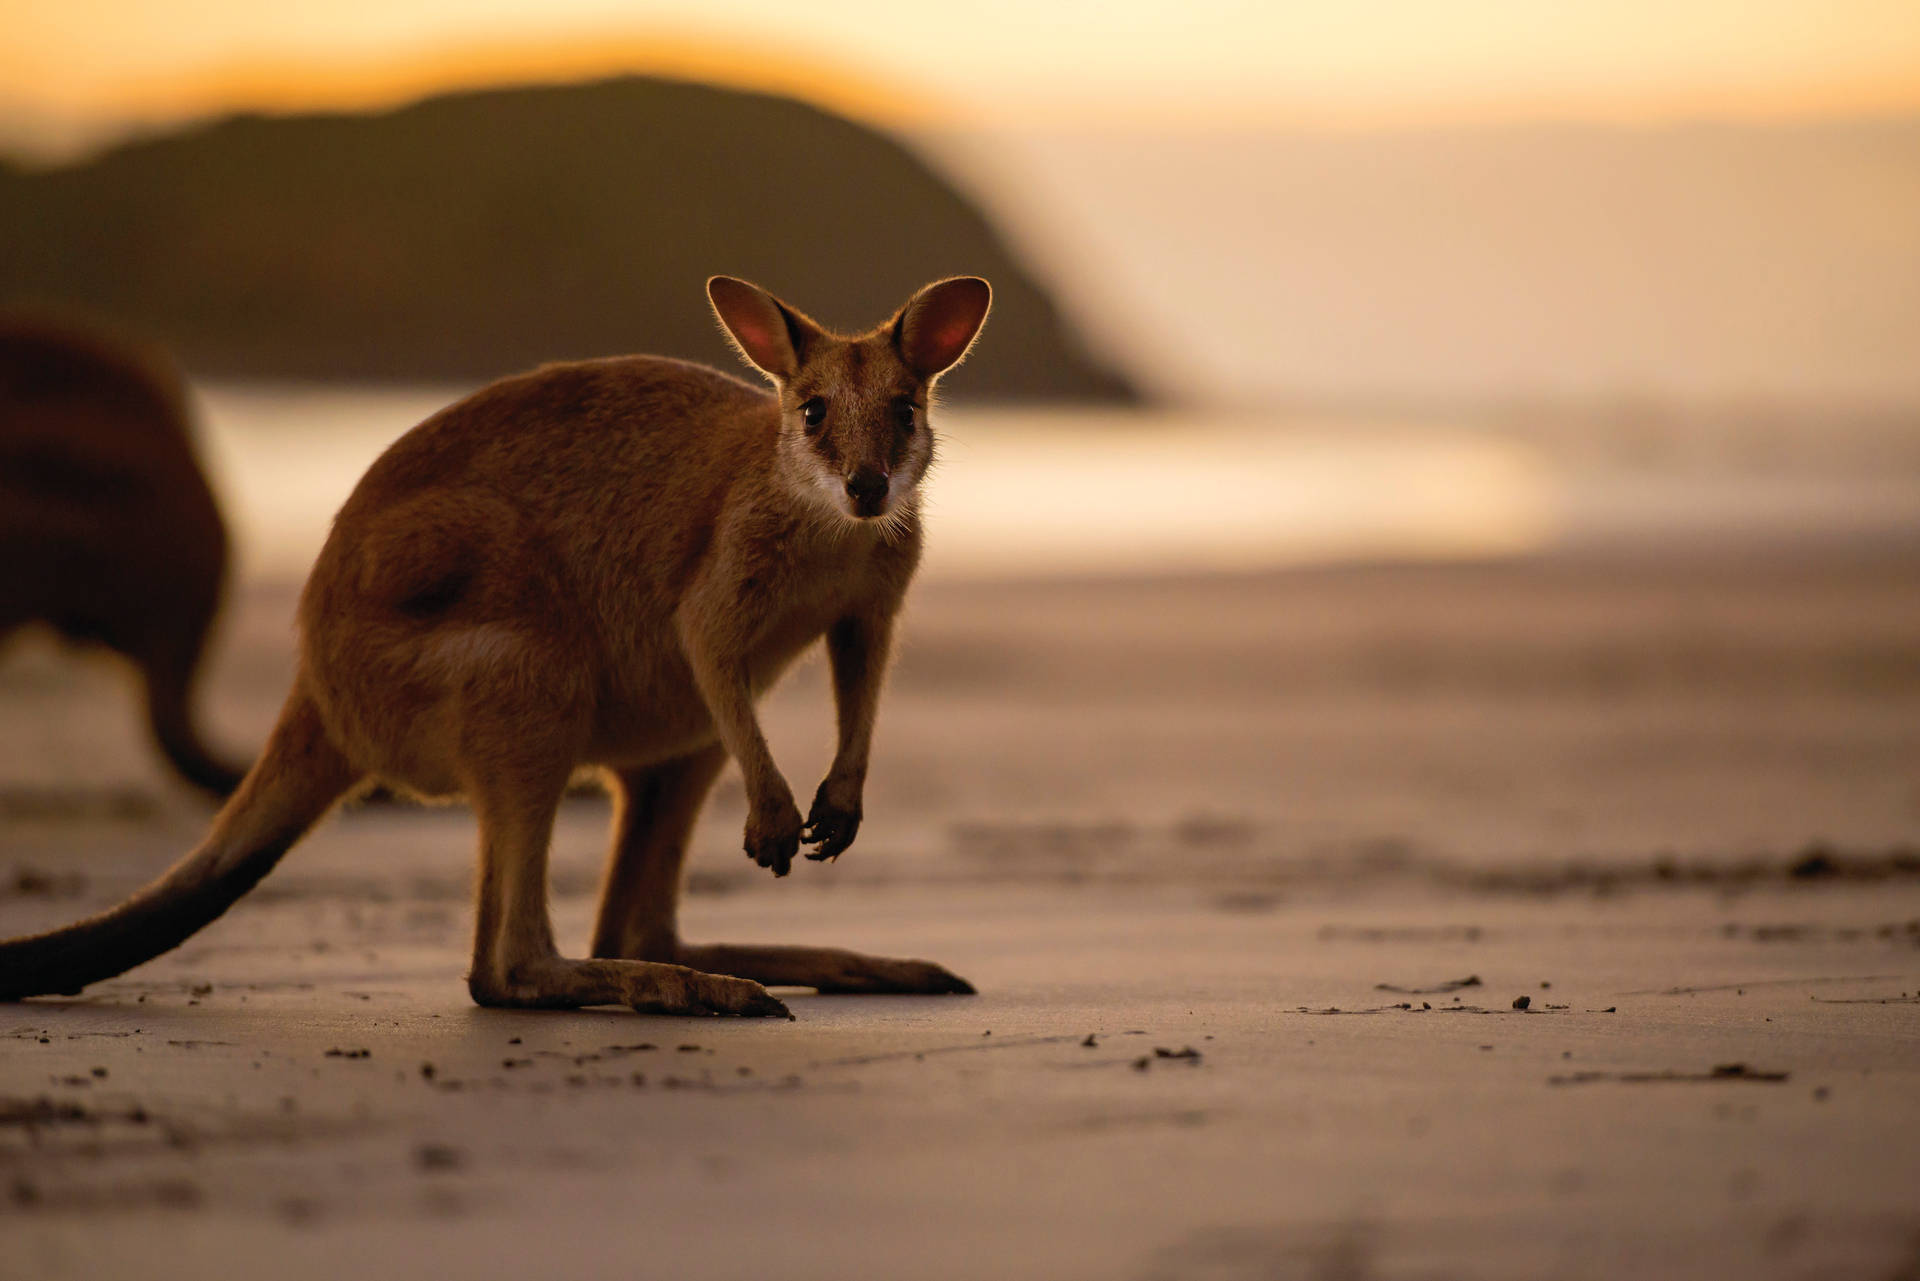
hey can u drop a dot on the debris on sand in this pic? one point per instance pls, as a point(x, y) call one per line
point(1815, 862)
point(1739, 987)
point(1185, 1053)
point(1451, 985)
point(1522, 1002)
point(1799, 932)
point(1405, 934)
point(45, 1112)
point(164, 1193)
point(31, 882)
point(1720, 1072)
point(42, 1111)
point(431, 1157)
point(337, 1053)
point(1726, 1071)
point(1426, 1007)
point(1090, 1043)
point(1004, 1043)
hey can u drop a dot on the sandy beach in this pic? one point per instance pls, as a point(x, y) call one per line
point(1408, 717)
point(1557, 917)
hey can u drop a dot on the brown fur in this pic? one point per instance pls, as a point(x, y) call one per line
point(599, 564)
point(108, 531)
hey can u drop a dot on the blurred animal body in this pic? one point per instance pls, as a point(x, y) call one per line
point(597, 565)
point(108, 531)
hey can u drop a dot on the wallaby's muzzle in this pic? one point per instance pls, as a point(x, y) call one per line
point(867, 489)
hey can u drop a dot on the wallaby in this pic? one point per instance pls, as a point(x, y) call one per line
point(108, 531)
point(598, 564)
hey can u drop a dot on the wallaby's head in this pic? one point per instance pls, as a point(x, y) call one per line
point(853, 410)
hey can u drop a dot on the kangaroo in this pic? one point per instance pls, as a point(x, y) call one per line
point(108, 531)
point(600, 564)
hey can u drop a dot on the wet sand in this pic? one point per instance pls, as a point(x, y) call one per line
point(1274, 820)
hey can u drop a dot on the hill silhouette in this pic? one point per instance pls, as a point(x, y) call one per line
point(475, 234)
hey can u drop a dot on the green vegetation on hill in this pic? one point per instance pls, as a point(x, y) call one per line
point(477, 234)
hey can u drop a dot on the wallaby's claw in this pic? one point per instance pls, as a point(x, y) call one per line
point(829, 826)
point(775, 854)
point(757, 1004)
point(773, 845)
point(947, 983)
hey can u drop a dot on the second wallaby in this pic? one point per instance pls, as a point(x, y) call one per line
point(109, 532)
point(597, 565)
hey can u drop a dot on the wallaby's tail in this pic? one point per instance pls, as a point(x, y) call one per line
point(296, 780)
point(169, 713)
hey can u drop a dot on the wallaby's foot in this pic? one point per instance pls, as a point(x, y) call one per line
point(773, 840)
point(646, 986)
point(693, 992)
point(832, 823)
point(829, 970)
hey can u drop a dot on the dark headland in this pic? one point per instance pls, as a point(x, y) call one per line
point(476, 234)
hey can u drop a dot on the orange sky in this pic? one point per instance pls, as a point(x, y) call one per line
point(1350, 61)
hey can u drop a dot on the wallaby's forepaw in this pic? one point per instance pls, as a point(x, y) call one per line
point(830, 826)
point(773, 843)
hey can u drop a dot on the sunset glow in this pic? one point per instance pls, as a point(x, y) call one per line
point(1391, 61)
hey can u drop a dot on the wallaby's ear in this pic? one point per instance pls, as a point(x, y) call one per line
point(771, 335)
point(938, 324)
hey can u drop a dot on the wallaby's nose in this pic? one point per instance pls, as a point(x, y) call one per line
point(867, 486)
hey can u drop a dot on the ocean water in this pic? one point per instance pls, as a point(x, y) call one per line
point(1072, 492)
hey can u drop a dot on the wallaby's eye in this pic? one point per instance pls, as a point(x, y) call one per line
point(903, 414)
point(813, 412)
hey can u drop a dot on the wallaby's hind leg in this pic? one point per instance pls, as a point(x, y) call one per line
point(514, 959)
point(653, 816)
